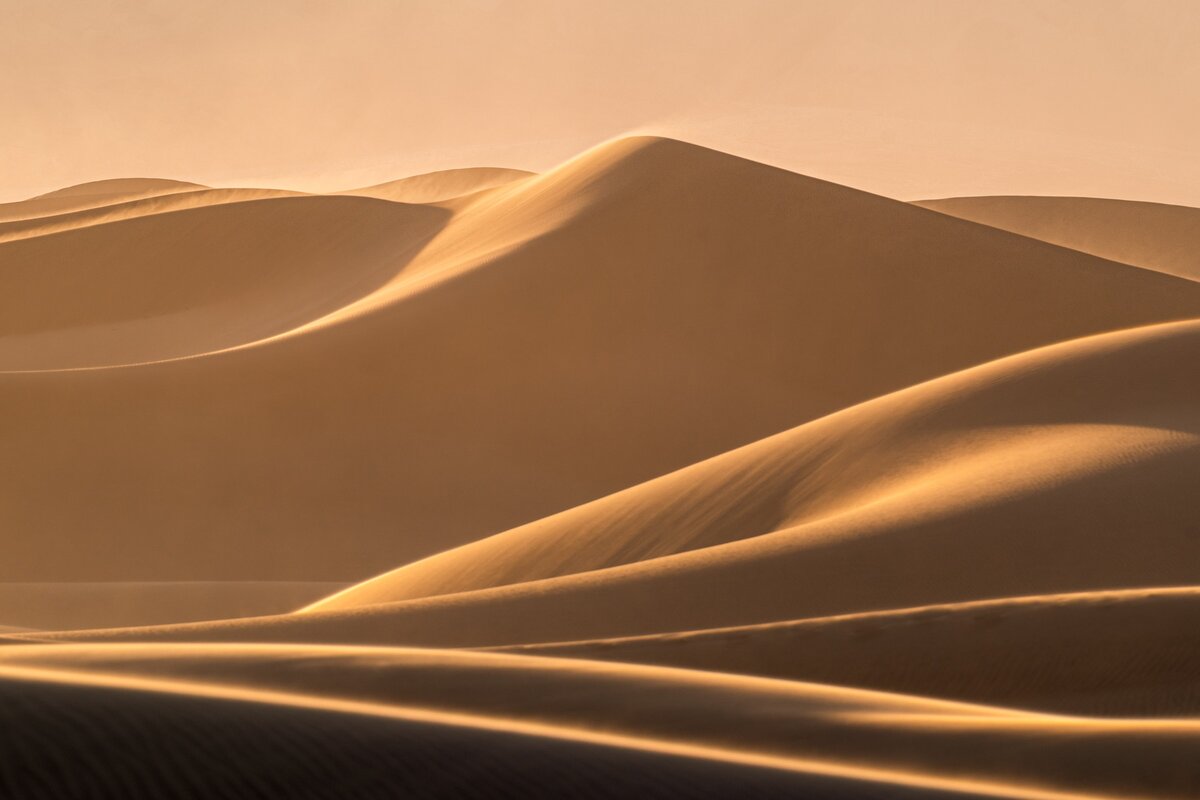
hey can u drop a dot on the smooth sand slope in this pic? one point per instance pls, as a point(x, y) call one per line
point(45, 606)
point(92, 195)
point(127, 209)
point(1122, 653)
point(1152, 235)
point(189, 281)
point(86, 741)
point(434, 187)
point(810, 727)
point(724, 480)
point(1069, 468)
point(645, 306)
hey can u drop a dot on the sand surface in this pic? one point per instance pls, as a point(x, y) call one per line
point(1152, 235)
point(660, 473)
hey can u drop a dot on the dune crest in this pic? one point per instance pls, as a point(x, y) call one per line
point(631, 281)
point(910, 741)
point(92, 195)
point(440, 186)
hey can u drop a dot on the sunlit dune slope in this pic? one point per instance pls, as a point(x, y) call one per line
point(84, 740)
point(1069, 468)
point(812, 727)
point(1111, 653)
point(1068, 449)
point(643, 307)
point(433, 187)
point(186, 281)
point(1161, 237)
point(91, 195)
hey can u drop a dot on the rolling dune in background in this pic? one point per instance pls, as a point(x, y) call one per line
point(1153, 235)
point(661, 473)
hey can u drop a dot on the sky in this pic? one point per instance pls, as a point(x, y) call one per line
point(920, 98)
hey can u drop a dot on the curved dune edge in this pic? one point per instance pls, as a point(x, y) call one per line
point(810, 727)
point(1097, 411)
point(843, 301)
point(15, 230)
point(442, 185)
point(197, 274)
point(93, 194)
point(1113, 653)
point(1160, 237)
point(1112, 455)
point(256, 750)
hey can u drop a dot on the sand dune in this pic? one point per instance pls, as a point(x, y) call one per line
point(1108, 653)
point(139, 745)
point(45, 606)
point(1065, 469)
point(994, 450)
point(726, 481)
point(434, 187)
point(546, 347)
point(812, 727)
point(190, 280)
point(127, 209)
point(92, 195)
point(1161, 237)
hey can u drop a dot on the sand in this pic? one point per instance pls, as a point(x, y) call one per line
point(542, 345)
point(1152, 235)
point(663, 465)
point(49, 606)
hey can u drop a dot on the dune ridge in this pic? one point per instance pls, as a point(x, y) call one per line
point(634, 279)
point(440, 186)
point(1157, 236)
point(1049, 498)
point(913, 741)
point(1108, 653)
point(669, 466)
point(91, 195)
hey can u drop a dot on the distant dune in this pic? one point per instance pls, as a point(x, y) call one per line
point(92, 195)
point(1111, 653)
point(434, 187)
point(662, 473)
point(1160, 237)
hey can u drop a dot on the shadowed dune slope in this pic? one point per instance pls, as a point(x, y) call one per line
point(139, 745)
point(1160, 237)
point(805, 726)
point(434, 187)
point(1108, 653)
point(92, 195)
point(1069, 468)
point(196, 279)
point(643, 307)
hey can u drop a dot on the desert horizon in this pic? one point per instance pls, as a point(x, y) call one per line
point(771, 411)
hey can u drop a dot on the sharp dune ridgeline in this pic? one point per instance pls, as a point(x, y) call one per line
point(660, 473)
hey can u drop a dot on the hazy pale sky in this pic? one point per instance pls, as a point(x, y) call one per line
point(917, 98)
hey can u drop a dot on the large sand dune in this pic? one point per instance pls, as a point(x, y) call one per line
point(646, 306)
point(660, 472)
